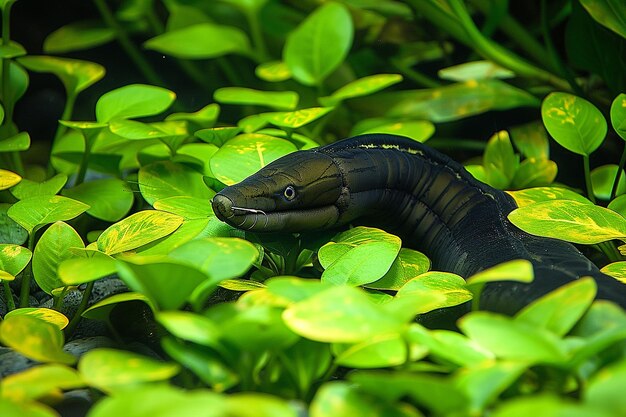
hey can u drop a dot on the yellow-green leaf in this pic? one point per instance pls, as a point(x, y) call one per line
point(13, 259)
point(537, 194)
point(137, 230)
point(361, 87)
point(46, 314)
point(8, 179)
point(570, 220)
point(617, 270)
point(296, 119)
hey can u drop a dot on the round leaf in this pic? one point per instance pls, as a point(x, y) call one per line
point(378, 352)
point(46, 314)
point(37, 211)
point(618, 115)
point(273, 71)
point(19, 142)
point(570, 220)
point(163, 179)
point(407, 265)
point(201, 41)
point(339, 314)
point(135, 100)
point(77, 36)
point(53, 248)
point(246, 154)
point(616, 269)
point(40, 381)
point(185, 206)
point(451, 286)
point(602, 179)
point(319, 44)
point(27, 188)
point(8, 179)
point(137, 230)
point(109, 198)
point(75, 74)
point(76, 271)
point(280, 100)
point(295, 119)
point(189, 326)
point(361, 87)
point(537, 194)
point(13, 259)
point(34, 338)
point(419, 130)
point(573, 122)
point(108, 369)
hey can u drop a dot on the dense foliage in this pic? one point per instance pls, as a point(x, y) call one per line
point(213, 321)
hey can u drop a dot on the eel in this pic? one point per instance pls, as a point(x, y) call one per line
point(417, 193)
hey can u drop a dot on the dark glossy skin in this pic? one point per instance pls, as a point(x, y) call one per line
point(419, 194)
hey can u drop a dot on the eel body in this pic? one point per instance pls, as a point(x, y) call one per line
point(417, 193)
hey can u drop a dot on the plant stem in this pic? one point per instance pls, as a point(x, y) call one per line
point(514, 30)
point(588, 184)
point(28, 272)
point(84, 162)
point(257, 37)
point(128, 47)
point(81, 308)
point(554, 57)
point(618, 177)
point(8, 295)
point(415, 76)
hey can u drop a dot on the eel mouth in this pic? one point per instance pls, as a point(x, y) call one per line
point(258, 220)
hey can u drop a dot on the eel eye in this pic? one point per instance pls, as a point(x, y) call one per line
point(289, 193)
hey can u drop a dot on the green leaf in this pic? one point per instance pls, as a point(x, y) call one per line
point(339, 314)
point(534, 173)
point(201, 41)
point(53, 248)
point(485, 382)
point(19, 142)
point(273, 71)
point(185, 206)
point(449, 346)
point(280, 100)
point(218, 135)
point(378, 352)
point(76, 271)
point(12, 50)
point(102, 309)
point(218, 257)
point(602, 179)
point(167, 284)
point(37, 211)
point(361, 87)
point(453, 102)
point(40, 381)
point(253, 328)
point(603, 390)
point(618, 115)
point(618, 205)
point(161, 401)
point(531, 139)
point(190, 326)
point(109, 199)
point(512, 339)
point(76, 75)
point(163, 179)
point(46, 314)
point(246, 154)
point(319, 44)
point(295, 289)
point(34, 338)
point(137, 230)
point(27, 188)
point(407, 265)
point(419, 130)
point(18, 79)
point(534, 195)
point(450, 286)
point(205, 117)
point(206, 364)
point(475, 70)
point(134, 100)
point(342, 399)
point(8, 179)
point(10, 231)
point(359, 256)
point(570, 220)
point(499, 156)
point(616, 269)
point(561, 309)
point(250, 404)
point(77, 36)
point(573, 122)
point(519, 270)
point(546, 405)
point(12, 408)
point(108, 369)
point(609, 13)
point(134, 130)
point(13, 259)
point(295, 119)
